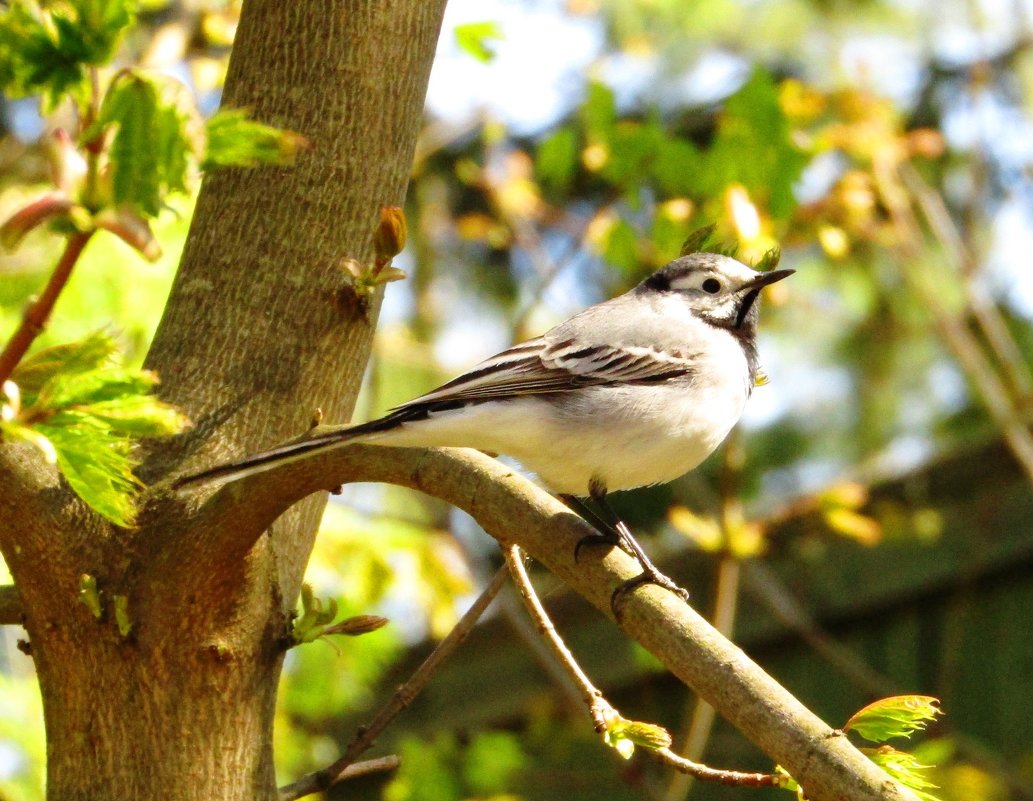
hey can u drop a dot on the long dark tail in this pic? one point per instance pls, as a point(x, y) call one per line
point(292, 452)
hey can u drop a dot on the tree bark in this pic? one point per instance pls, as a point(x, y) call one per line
point(170, 693)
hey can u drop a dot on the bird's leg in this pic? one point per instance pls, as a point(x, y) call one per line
point(650, 573)
point(607, 534)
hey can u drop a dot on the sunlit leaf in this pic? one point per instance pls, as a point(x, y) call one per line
point(897, 716)
point(96, 465)
point(905, 769)
point(473, 38)
point(234, 140)
point(37, 368)
point(45, 47)
point(85, 412)
point(754, 147)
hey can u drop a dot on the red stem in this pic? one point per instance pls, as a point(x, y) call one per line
point(38, 312)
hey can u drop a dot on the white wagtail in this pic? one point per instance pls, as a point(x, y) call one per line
point(631, 392)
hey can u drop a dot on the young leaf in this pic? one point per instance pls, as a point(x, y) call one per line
point(132, 104)
point(472, 38)
point(897, 716)
point(84, 412)
point(96, 465)
point(44, 48)
point(150, 152)
point(73, 357)
point(905, 769)
point(236, 141)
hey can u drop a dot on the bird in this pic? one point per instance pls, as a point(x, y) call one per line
point(634, 391)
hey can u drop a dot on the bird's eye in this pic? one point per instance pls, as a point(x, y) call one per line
point(712, 286)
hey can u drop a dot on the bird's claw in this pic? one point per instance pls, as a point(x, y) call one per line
point(648, 576)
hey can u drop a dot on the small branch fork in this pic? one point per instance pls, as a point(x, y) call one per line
point(604, 716)
point(346, 767)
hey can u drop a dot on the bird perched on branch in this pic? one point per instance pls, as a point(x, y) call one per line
point(634, 391)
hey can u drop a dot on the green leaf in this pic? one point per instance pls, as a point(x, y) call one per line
point(45, 48)
point(97, 466)
point(599, 111)
point(754, 147)
point(236, 141)
point(621, 248)
point(897, 716)
point(472, 38)
point(676, 167)
point(32, 60)
point(94, 386)
point(173, 147)
point(84, 412)
point(556, 161)
point(696, 242)
point(73, 357)
point(132, 104)
point(150, 151)
point(905, 769)
point(138, 416)
point(633, 147)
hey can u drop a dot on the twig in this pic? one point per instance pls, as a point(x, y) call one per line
point(601, 711)
point(603, 714)
point(726, 604)
point(322, 779)
point(697, 732)
point(307, 784)
point(10, 606)
point(983, 308)
point(708, 774)
point(38, 312)
point(958, 338)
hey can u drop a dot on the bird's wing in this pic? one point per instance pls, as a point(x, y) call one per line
point(541, 366)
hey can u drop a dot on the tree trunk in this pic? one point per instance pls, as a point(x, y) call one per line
point(261, 328)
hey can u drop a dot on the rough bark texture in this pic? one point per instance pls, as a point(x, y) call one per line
point(260, 329)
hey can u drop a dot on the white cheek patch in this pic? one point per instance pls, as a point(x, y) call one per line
point(690, 281)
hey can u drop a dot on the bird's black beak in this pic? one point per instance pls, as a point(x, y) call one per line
point(751, 291)
point(764, 279)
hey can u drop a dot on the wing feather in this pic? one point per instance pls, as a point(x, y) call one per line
point(540, 366)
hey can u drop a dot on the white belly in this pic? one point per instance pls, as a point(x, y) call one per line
point(625, 437)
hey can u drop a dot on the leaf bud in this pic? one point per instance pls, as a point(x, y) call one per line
point(389, 238)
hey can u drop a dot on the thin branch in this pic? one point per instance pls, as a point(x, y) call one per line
point(603, 714)
point(307, 786)
point(985, 311)
point(600, 710)
point(514, 510)
point(965, 347)
point(704, 773)
point(10, 606)
point(696, 733)
point(320, 780)
point(38, 312)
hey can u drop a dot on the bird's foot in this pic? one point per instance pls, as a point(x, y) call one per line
point(649, 575)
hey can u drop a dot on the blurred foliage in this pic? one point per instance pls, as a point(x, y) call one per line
point(884, 145)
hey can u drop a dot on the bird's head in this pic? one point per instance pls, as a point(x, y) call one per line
point(718, 289)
